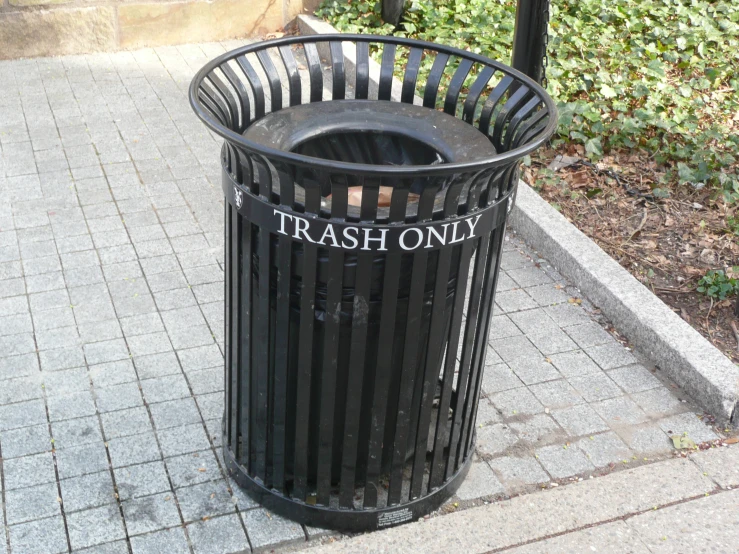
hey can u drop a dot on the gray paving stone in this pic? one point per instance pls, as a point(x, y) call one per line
point(87, 491)
point(589, 334)
point(183, 439)
point(142, 324)
point(511, 301)
point(267, 530)
point(534, 370)
point(81, 460)
point(561, 462)
point(611, 355)
point(516, 402)
point(150, 513)
point(76, 432)
point(31, 503)
point(634, 378)
point(14, 345)
point(605, 449)
point(552, 342)
point(486, 413)
point(69, 406)
point(580, 420)
point(42, 535)
point(568, 314)
point(518, 473)
point(25, 441)
point(199, 335)
point(22, 414)
point(157, 365)
point(106, 351)
point(620, 411)
point(609, 538)
point(647, 439)
point(595, 387)
point(135, 449)
point(556, 394)
point(533, 321)
point(61, 358)
point(480, 482)
point(220, 534)
point(202, 357)
point(501, 326)
point(96, 526)
point(211, 405)
point(118, 397)
point(125, 423)
point(689, 425)
point(166, 541)
point(166, 388)
point(539, 429)
point(494, 439)
point(211, 380)
point(512, 348)
point(205, 500)
point(174, 413)
point(66, 381)
point(28, 471)
point(21, 389)
point(141, 480)
point(112, 373)
point(659, 402)
point(192, 469)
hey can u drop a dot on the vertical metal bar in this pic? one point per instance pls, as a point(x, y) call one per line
point(281, 340)
point(235, 235)
point(488, 298)
point(315, 71)
point(338, 72)
point(262, 372)
point(431, 371)
point(476, 90)
point(361, 72)
point(455, 86)
point(245, 342)
point(439, 460)
point(243, 96)
point(293, 75)
point(273, 78)
point(464, 368)
point(433, 81)
point(492, 101)
point(360, 315)
point(255, 83)
point(387, 66)
point(411, 75)
point(227, 326)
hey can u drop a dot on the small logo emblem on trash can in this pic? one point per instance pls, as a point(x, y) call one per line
point(239, 198)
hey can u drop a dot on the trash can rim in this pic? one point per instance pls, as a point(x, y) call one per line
point(496, 160)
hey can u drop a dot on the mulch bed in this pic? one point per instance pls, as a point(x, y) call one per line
point(668, 244)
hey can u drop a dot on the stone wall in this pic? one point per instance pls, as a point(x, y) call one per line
point(31, 28)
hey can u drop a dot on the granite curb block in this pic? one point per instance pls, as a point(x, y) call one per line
point(685, 356)
point(561, 511)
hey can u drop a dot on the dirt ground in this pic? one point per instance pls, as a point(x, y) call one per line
point(666, 243)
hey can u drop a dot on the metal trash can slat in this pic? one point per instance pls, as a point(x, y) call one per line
point(359, 294)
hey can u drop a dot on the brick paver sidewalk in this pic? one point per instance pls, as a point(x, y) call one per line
point(111, 328)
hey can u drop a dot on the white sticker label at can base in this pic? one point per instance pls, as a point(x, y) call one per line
point(386, 519)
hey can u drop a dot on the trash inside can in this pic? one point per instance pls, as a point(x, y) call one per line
point(364, 227)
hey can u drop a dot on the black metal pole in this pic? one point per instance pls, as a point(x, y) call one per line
point(530, 38)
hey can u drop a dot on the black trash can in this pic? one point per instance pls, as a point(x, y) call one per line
point(364, 227)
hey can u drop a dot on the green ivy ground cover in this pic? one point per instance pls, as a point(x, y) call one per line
point(660, 76)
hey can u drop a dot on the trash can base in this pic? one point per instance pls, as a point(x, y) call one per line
point(342, 519)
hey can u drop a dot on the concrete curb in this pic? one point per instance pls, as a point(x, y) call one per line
point(687, 358)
